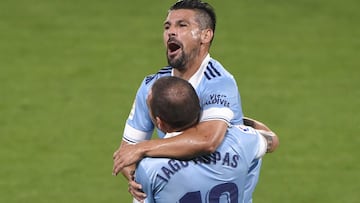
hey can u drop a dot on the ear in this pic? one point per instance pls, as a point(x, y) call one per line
point(160, 124)
point(206, 36)
point(163, 126)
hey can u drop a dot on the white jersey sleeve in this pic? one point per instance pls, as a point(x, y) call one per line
point(139, 126)
point(260, 144)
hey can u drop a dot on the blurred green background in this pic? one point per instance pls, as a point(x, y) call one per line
point(69, 71)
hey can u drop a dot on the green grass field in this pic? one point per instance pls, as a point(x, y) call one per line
point(69, 71)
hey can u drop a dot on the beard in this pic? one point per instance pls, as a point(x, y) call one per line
point(178, 63)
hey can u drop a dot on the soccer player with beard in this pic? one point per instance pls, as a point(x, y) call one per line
point(218, 177)
point(188, 32)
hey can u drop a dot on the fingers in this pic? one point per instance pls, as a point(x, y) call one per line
point(136, 201)
point(138, 195)
point(135, 190)
point(123, 157)
point(115, 154)
point(135, 185)
point(132, 174)
point(118, 166)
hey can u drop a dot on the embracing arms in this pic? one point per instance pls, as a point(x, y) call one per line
point(204, 138)
point(271, 138)
point(201, 139)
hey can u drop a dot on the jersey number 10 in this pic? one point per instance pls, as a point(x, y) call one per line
point(228, 189)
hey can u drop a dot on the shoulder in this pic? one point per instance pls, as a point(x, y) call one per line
point(166, 71)
point(216, 70)
point(245, 135)
point(218, 79)
point(150, 79)
point(150, 164)
point(247, 139)
point(216, 75)
point(245, 130)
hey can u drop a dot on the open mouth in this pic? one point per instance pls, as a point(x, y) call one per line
point(173, 47)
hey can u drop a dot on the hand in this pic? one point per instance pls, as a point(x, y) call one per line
point(135, 190)
point(126, 155)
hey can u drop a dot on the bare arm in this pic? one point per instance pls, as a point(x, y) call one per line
point(271, 138)
point(134, 188)
point(199, 140)
point(204, 138)
point(255, 124)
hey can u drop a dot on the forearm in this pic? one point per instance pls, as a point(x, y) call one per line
point(199, 140)
point(255, 124)
point(271, 138)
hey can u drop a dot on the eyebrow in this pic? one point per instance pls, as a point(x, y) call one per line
point(177, 22)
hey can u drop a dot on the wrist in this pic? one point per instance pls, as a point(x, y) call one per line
point(270, 138)
point(143, 148)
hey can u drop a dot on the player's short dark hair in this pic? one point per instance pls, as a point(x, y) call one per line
point(175, 101)
point(206, 11)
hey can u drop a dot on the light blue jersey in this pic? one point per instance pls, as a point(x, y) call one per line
point(219, 99)
point(219, 177)
point(217, 90)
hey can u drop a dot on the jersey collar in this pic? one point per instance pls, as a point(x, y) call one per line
point(173, 134)
point(196, 78)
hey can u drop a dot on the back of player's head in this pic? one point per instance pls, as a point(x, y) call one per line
point(207, 17)
point(175, 102)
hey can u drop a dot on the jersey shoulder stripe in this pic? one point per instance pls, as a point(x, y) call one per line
point(254, 163)
point(163, 71)
point(211, 71)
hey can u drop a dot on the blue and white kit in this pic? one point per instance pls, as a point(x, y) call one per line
point(219, 99)
point(218, 177)
point(217, 91)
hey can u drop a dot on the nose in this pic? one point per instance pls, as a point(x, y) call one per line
point(171, 32)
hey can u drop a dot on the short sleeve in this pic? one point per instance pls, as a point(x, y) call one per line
point(139, 126)
point(220, 100)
